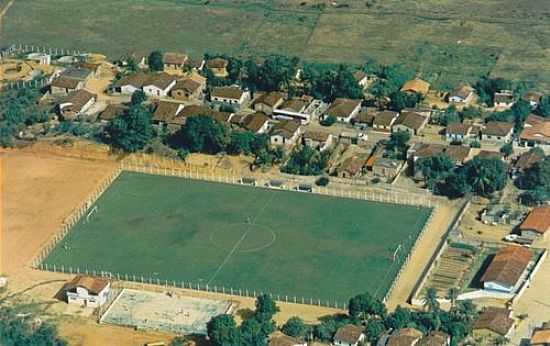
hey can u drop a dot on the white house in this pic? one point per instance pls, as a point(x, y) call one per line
point(232, 96)
point(344, 110)
point(256, 123)
point(318, 140)
point(294, 109)
point(462, 94)
point(285, 133)
point(458, 132)
point(88, 291)
point(349, 335)
point(76, 103)
point(159, 85)
point(506, 269)
point(127, 85)
point(497, 132)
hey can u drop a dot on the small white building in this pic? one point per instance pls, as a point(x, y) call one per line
point(349, 335)
point(458, 132)
point(462, 95)
point(129, 84)
point(76, 103)
point(507, 268)
point(498, 132)
point(285, 133)
point(504, 99)
point(232, 96)
point(159, 85)
point(344, 110)
point(88, 291)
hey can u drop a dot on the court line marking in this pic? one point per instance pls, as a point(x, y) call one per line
point(238, 243)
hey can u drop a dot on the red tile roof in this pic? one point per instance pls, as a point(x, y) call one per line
point(508, 265)
point(538, 220)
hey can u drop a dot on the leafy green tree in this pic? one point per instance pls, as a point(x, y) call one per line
point(222, 331)
point(138, 97)
point(295, 327)
point(430, 300)
point(306, 161)
point(452, 295)
point(6, 134)
point(156, 61)
point(204, 134)
point(487, 87)
point(435, 169)
point(397, 145)
point(485, 176)
point(536, 176)
point(374, 330)
point(521, 110)
point(475, 144)
point(401, 100)
point(335, 83)
point(328, 121)
point(363, 306)
point(507, 149)
point(15, 331)
point(131, 131)
point(470, 112)
point(449, 116)
point(252, 333)
point(544, 106)
point(398, 319)
point(266, 307)
point(241, 142)
point(454, 185)
point(536, 196)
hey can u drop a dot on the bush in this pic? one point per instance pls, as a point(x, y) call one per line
point(328, 121)
point(182, 154)
point(475, 144)
point(322, 181)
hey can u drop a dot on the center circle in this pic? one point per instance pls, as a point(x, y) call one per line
point(250, 237)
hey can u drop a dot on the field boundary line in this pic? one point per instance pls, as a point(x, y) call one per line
point(71, 220)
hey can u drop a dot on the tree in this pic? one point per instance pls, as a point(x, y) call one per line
point(133, 130)
point(507, 149)
point(204, 134)
point(487, 87)
point(374, 330)
point(138, 97)
point(222, 331)
point(454, 185)
point(364, 305)
point(252, 333)
point(241, 142)
point(15, 330)
point(536, 176)
point(266, 308)
point(430, 300)
point(401, 100)
point(156, 61)
point(475, 144)
point(452, 295)
point(397, 145)
point(521, 110)
point(306, 161)
point(398, 319)
point(536, 196)
point(295, 327)
point(485, 176)
point(328, 121)
point(544, 106)
point(435, 169)
point(334, 83)
point(449, 116)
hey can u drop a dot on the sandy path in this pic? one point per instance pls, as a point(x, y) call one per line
point(421, 255)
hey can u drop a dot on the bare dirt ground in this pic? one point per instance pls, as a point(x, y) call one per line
point(421, 255)
point(40, 190)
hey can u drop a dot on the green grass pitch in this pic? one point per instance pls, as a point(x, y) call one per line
point(282, 242)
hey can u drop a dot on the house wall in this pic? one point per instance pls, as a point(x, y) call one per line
point(497, 139)
point(495, 286)
point(128, 89)
point(82, 297)
point(151, 90)
point(531, 234)
point(352, 115)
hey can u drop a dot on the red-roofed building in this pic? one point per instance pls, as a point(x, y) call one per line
point(536, 224)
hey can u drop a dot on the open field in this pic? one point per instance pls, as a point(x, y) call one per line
point(447, 41)
point(282, 242)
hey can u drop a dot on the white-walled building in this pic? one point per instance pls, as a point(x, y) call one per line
point(349, 335)
point(88, 291)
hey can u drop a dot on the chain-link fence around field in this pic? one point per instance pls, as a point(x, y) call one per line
point(213, 175)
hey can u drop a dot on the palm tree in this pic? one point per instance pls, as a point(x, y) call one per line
point(430, 300)
point(452, 295)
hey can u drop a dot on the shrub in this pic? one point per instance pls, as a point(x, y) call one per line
point(322, 181)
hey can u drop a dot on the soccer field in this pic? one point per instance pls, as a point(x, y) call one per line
point(282, 242)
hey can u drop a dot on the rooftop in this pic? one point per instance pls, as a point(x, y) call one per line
point(538, 220)
point(508, 265)
point(349, 334)
point(342, 107)
point(497, 128)
point(496, 320)
point(92, 284)
point(234, 93)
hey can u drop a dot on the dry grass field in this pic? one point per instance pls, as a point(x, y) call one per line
point(447, 41)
